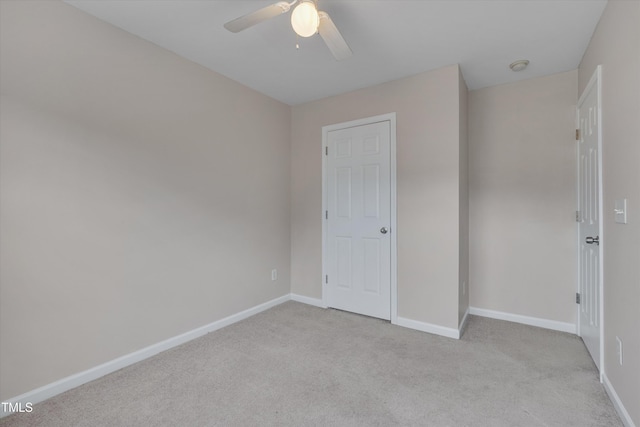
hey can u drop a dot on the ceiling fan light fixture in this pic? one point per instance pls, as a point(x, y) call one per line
point(305, 19)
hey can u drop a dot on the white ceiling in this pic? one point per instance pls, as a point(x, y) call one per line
point(390, 39)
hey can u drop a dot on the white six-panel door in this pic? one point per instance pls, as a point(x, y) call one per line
point(358, 220)
point(589, 227)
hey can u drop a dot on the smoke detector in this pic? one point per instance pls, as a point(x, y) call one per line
point(519, 65)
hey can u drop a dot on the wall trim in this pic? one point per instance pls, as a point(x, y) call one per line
point(525, 320)
point(617, 403)
point(47, 391)
point(308, 300)
point(400, 321)
point(428, 327)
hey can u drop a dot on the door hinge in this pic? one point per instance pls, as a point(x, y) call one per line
point(577, 134)
point(326, 214)
point(578, 219)
point(326, 278)
point(326, 150)
point(577, 298)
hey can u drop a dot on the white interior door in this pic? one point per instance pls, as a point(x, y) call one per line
point(590, 213)
point(358, 219)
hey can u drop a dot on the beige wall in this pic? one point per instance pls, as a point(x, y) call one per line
point(427, 107)
point(522, 197)
point(142, 195)
point(616, 46)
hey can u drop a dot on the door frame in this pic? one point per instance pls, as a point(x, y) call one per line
point(391, 118)
point(595, 82)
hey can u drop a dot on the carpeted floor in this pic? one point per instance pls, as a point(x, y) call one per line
point(297, 365)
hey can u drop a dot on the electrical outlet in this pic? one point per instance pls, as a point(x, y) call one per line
point(619, 341)
point(274, 274)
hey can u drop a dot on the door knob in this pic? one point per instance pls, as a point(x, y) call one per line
point(384, 230)
point(593, 240)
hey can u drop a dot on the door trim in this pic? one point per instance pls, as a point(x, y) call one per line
point(594, 82)
point(391, 118)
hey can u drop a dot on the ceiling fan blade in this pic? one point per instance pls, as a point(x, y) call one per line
point(332, 37)
point(253, 18)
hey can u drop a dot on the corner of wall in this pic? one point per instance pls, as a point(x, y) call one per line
point(463, 269)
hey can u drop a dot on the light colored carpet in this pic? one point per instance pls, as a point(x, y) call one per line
point(296, 365)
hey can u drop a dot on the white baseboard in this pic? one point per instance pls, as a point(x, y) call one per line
point(45, 392)
point(525, 320)
point(407, 323)
point(308, 300)
point(429, 327)
point(617, 403)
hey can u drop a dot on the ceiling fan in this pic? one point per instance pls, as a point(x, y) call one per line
point(306, 21)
